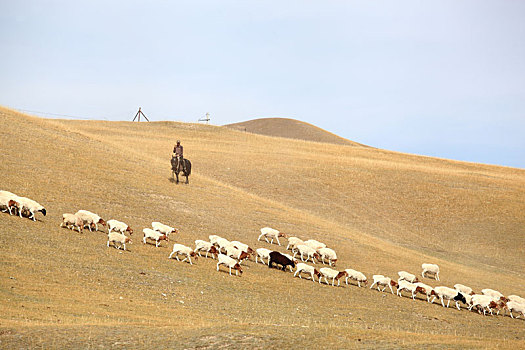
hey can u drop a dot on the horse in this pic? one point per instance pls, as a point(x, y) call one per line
point(184, 166)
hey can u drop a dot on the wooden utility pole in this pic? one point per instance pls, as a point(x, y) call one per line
point(139, 113)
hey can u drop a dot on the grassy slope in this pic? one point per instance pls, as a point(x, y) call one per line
point(382, 211)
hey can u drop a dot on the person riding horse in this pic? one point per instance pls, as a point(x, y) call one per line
point(178, 154)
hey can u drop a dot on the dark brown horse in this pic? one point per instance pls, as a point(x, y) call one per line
point(184, 166)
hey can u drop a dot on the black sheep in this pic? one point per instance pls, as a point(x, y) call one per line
point(279, 259)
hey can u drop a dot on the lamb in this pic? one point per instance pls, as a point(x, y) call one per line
point(357, 276)
point(165, 229)
point(403, 275)
point(449, 294)
point(426, 289)
point(310, 252)
point(183, 250)
point(486, 302)
point(494, 293)
point(517, 307)
point(516, 298)
point(268, 232)
point(201, 245)
point(314, 244)
point(71, 221)
point(279, 259)
point(333, 274)
point(263, 253)
point(381, 280)
point(154, 235)
point(8, 200)
point(409, 287)
point(302, 267)
point(293, 242)
point(230, 263)
point(31, 206)
point(235, 253)
point(328, 254)
point(430, 269)
point(90, 218)
point(118, 226)
point(119, 238)
point(463, 289)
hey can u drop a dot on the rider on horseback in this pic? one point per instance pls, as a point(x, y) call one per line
point(178, 153)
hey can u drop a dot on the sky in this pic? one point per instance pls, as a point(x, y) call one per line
point(437, 78)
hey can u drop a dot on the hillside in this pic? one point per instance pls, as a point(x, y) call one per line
point(290, 128)
point(382, 211)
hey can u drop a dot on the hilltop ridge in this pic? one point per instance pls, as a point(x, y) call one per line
point(290, 128)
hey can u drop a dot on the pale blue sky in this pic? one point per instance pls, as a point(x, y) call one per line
point(438, 78)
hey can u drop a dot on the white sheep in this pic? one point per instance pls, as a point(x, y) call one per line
point(183, 250)
point(327, 272)
point(357, 276)
point(165, 229)
point(213, 239)
point(517, 307)
point(263, 253)
point(486, 302)
point(90, 219)
point(293, 242)
point(268, 232)
point(31, 206)
point(154, 235)
point(244, 247)
point(302, 267)
point(426, 289)
point(329, 254)
point(71, 221)
point(201, 245)
point(516, 298)
point(310, 252)
point(235, 253)
point(118, 226)
point(409, 287)
point(230, 263)
point(449, 294)
point(119, 238)
point(493, 293)
point(403, 275)
point(314, 244)
point(463, 289)
point(222, 244)
point(381, 280)
point(432, 269)
point(8, 200)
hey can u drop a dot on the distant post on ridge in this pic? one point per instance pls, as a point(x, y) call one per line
point(139, 113)
point(207, 119)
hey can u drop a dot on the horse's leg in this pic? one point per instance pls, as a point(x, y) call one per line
point(187, 182)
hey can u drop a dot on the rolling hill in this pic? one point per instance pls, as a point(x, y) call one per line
point(382, 211)
point(290, 128)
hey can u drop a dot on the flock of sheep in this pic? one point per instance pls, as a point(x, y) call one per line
point(232, 254)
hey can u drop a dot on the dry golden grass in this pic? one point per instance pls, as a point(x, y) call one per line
point(382, 211)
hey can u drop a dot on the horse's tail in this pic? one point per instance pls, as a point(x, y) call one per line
point(188, 166)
